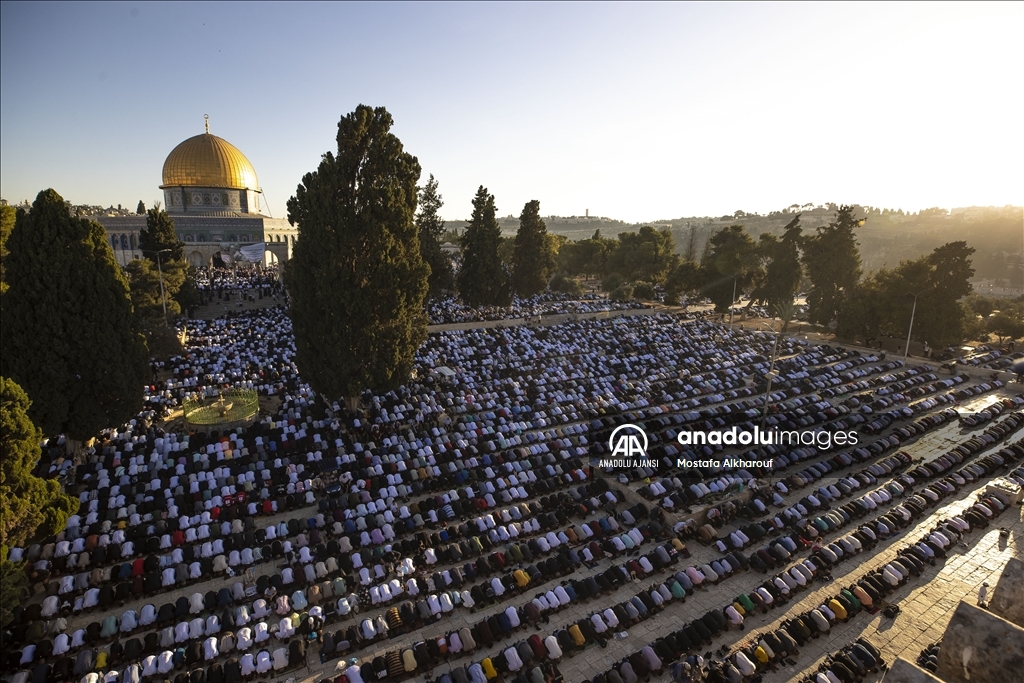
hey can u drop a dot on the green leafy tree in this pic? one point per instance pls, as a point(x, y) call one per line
point(621, 293)
point(30, 506)
point(12, 586)
point(568, 285)
point(1007, 325)
point(643, 290)
point(647, 255)
point(533, 259)
point(144, 283)
point(357, 279)
point(7, 219)
point(69, 336)
point(944, 279)
point(160, 245)
point(431, 231)
point(730, 266)
point(782, 271)
point(554, 246)
point(684, 278)
point(883, 303)
point(586, 257)
point(612, 282)
point(140, 209)
point(832, 260)
point(483, 280)
point(506, 250)
point(159, 238)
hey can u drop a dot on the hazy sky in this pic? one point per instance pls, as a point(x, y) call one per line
point(638, 112)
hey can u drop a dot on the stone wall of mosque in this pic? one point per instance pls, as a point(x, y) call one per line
point(194, 199)
point(204, 235)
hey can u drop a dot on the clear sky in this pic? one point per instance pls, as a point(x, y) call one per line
point(637, 112)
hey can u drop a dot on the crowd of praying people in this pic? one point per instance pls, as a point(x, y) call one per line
point(357, 532)
point(245, 280)
point(449, 309)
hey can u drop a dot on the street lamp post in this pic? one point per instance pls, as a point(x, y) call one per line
point(733, 301)
point(771, 377)
point(910, 329)
point(160, 270)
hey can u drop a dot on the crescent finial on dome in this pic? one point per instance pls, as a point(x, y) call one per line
point(207, 118)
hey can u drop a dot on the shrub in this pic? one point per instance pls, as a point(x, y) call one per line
point(643, 290)
point(612, 282)
point(622, 293)
point(563, 283)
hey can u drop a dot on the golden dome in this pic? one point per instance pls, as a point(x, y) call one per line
point(208, 161)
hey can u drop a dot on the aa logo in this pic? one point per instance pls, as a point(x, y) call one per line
point(628, 441)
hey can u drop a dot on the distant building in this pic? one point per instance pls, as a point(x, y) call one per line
point(213, 195)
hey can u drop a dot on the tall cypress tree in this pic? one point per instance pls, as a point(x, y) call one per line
point(69, 337)
point(159, 235)
point(482, 280)
point(356, 279)
point(431, 229)
point(533, 258)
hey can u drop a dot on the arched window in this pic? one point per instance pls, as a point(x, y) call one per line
point(278, 238)
point(243, 238)
point(113, 242)
point(201, 238)
point(124, 241)
point(133, 240)
point(232, 238)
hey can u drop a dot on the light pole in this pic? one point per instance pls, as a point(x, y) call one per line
point(771, 376)
point(733, 301)
point(160, 270)
point(910, 329)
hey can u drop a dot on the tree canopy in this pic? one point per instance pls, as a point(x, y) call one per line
point(7, 219)
point(144, 282)
point(140, 209)
point(883, 303)
point(586, 257)
point(646, 256)
point(782, 270)
point(69, 336)
point(483, 280)
point(729, 266)
point(357, 279)
point(533, 258)
point(158, 236)
point(431, 232)
point(30, 506)
point(832, 260)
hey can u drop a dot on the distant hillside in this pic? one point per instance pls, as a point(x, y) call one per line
point(886, 238)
